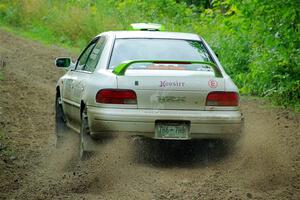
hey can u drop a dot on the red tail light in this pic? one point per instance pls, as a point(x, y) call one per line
point(116, 96)
point(222, 99)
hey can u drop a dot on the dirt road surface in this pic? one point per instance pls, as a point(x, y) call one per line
point(265, 165)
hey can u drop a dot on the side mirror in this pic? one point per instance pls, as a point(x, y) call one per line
point(63, 62)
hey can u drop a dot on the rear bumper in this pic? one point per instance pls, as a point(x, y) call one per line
point(203, 124)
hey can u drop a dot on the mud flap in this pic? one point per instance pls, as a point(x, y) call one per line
point(61, 129)
point(87, 144)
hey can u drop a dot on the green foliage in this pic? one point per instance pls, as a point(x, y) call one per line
point(258, 41)
point(1, 76)
point(274, 69)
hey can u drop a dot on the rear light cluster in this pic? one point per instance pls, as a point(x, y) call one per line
point(116, 96)
point(222, 99)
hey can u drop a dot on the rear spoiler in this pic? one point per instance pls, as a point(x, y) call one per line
point(121, 69)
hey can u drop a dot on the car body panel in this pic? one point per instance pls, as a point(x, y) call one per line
point(153, 34)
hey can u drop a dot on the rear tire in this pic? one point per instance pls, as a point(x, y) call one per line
point(84, 152)
point(61, 128)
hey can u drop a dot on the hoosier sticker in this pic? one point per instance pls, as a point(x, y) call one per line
point(171, 84)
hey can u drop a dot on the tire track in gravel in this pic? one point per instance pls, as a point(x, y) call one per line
point(266, 164)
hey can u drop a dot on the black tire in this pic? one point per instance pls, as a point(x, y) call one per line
point(61, 128)
point(84, 153)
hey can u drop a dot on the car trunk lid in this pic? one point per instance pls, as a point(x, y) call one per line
point(171, 89)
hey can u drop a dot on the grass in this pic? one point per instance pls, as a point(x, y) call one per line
point(1, 76)
point(39, 34)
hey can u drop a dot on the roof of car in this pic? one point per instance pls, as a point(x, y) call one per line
point(153, 34)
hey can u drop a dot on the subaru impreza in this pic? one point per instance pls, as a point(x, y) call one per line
point(147, 82)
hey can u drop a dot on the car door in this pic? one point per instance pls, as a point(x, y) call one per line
point(83, 72)
point(70, 86)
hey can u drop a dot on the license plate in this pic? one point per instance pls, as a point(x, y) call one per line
point(172, 131)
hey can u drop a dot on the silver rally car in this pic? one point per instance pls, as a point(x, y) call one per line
point(147, 82)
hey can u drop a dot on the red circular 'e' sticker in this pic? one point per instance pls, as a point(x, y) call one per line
point(213, 83)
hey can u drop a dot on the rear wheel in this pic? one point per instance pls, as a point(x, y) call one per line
point(61, 128)
point(84, 149)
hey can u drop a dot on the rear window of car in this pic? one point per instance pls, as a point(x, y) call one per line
point(160, 49)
